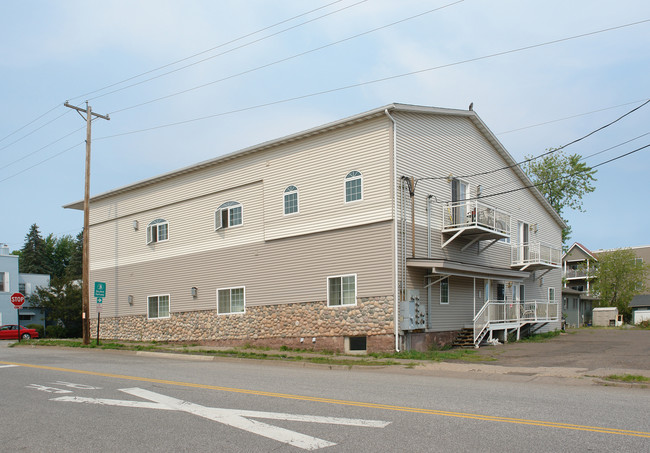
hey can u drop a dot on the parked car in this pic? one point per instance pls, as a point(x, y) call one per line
point(10, 332)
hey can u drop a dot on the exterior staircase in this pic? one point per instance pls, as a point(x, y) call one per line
point(465, 338)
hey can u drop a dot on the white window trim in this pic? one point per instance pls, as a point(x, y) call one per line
point(356, 284)
point(284, 194)
point(156, 224)
point(448, 291)
point(549, 294)
point(231, 312)
point(6, 286)
point(218, 217)
point(345, 180)
point(169, 298)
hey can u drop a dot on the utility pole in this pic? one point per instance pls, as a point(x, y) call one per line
point(85, 279)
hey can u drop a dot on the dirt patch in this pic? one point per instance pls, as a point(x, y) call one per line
point(590, 348)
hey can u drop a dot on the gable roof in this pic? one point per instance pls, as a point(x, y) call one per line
point(380, 111)
point(581, 247)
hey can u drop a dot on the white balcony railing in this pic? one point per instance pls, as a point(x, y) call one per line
point(579, 273)
point(535, 253)
point(497, 313)
point(464, 214)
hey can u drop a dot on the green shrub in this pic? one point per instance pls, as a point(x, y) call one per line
point(38, 328)
point(55, 331)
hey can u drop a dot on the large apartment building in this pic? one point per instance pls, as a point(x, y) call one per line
point(395, 228)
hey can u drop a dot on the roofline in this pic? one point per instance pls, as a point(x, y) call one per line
point(620, 248)
point(583, 248)
point(394, 107)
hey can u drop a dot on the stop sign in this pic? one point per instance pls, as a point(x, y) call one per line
point(17, 299)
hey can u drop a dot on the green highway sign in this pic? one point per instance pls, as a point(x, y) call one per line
point(100, 289)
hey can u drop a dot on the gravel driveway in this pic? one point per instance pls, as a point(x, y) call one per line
point(590, 348)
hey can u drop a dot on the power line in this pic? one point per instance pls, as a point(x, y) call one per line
point(541, 183)
point(349, 38)
point(31, 122)
point(370, 82)
point(39, 150)
point(581, 159)
point(33, 131)
point(569, 117)
point(228, 51)
point(14, 174)
point(204, 51)
point(554, 150)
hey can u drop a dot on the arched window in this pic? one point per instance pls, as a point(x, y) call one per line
point(290, 200)
point(228, 215)
point(157, 231)
point(353, 186)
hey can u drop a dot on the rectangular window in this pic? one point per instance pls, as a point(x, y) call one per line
point(501, 291)
point(444, 291)
point(22, 289)
point(4, 282)
point(522, 292)
point(342, 290)
point(551, 294)
point(231, 300)
point(158, 306)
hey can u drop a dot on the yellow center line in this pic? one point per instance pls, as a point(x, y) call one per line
point(388, 407)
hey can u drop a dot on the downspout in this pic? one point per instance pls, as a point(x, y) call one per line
point(429, 302)
point(396, 248)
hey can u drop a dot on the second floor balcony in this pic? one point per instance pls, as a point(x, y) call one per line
point(572, 274)
point(474, 220)
point(536, 255)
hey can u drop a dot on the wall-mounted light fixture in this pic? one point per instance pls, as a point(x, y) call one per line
point(130, 300)
point(135, 225)
point(194, 291)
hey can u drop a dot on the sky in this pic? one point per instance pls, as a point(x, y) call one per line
point(186, 81)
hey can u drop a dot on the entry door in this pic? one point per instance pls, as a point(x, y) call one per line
point(459, 192)
point(524, 246)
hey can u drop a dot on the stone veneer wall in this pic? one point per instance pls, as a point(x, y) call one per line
point(268, 325)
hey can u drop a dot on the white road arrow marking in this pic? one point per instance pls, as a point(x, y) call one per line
point(235, 418)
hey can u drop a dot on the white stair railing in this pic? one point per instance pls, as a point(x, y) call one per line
point(498, 313)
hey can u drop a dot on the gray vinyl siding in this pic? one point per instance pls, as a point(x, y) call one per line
point(290, 270)
point(443, 146)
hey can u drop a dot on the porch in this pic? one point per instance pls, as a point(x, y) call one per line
point(511, 316)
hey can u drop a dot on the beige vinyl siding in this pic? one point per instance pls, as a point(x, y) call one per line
point(191, 229)
point(290, 270)
point(316, 165)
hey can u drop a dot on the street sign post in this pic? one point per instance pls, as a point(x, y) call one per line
point(100, 293)
point(18, 300)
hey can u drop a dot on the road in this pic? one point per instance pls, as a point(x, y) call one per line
point(61, 400)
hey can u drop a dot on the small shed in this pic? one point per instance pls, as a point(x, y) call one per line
point(641, 315)
point(606, 316)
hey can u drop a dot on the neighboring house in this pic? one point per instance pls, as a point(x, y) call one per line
point(309, 240)
point(578, 301)
point(11, 281)
point(640, 301)
point(27, 285)
point(579, 265)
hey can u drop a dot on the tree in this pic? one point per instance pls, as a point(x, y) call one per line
point(563, 180)
point(34, 257)
point(619, 277)
point(62, 304)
